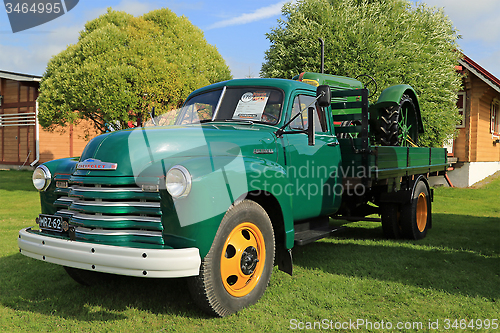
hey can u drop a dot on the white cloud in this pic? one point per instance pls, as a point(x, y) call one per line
point(136, 8)
point(464, 8)
point(490, 62)
point(487, 29)
point(257, 15)
point(477, 20)
point(38, 47)
point(478, 23)
point(30, 63)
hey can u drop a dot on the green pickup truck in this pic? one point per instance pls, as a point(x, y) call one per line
point(246, 170)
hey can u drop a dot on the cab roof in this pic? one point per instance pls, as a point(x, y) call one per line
point(283, 84)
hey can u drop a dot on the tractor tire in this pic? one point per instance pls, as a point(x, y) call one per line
point(347, 123)
point(389, 126)
point(390, 120)
point(237, 269)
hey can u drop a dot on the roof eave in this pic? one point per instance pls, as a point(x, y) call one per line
point(479, 74)
point(20, 77)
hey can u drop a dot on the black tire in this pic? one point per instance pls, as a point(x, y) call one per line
point(416, 215)
point(390, 215)
point(390, 131)
point(388, 122)
point(230, 277)
point(347, 123)
point(88, 278)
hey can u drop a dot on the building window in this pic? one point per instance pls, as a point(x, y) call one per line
point(495, 117)
point(461, 109)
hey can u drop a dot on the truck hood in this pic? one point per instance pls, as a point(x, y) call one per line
point(136, 150)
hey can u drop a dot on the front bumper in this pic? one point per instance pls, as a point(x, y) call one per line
point(155, 263)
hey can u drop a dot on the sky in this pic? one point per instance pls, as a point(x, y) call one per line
point(236, 27)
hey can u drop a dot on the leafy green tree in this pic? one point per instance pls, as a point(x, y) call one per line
point(387, 39)
point(122, 66)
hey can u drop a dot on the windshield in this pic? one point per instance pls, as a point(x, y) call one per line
point(254, 104)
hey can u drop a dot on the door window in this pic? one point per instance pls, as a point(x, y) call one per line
point(300, 105)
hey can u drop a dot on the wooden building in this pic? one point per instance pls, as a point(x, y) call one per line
point(476, 150)
point(22, 140)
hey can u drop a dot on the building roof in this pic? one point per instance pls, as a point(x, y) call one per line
point(19, 76)
point(480, 72)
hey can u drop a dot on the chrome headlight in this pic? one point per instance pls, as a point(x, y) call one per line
point(178, 181)
point(41, 178)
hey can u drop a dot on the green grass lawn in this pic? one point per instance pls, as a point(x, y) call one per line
point(452, 274)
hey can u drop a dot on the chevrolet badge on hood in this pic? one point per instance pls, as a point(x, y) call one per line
point(263, 151)
point(94, 164)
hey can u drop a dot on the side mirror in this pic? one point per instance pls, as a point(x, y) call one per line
point(324, 95)
point(310, 127)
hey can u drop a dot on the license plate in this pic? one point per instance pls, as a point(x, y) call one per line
point(50, 222)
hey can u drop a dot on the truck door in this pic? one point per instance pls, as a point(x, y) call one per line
point(313, 171)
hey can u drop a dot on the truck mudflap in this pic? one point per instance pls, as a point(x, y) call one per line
point(152, 263)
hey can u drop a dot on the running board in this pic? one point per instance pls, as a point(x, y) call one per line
point(311, 231)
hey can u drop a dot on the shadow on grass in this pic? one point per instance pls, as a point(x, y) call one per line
point(461, 255)
point(34, 286)
point(458, 232)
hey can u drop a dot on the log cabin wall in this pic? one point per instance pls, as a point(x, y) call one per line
point(18, 125)
point(17, 121)
point(475, 142)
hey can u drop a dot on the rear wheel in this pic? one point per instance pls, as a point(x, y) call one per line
point(416, 216)
point(389, 212)
point(235, 272)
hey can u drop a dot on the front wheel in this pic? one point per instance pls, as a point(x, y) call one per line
point(235, 272)
point(88, 278)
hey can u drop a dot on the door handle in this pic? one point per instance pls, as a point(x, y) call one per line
point(333, 144)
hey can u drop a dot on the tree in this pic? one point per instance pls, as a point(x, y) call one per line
point(387, 39)
point(122, 66)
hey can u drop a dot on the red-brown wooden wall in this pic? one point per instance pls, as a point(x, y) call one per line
point(18, 143)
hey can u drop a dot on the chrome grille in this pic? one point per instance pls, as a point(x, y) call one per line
point(111, 213)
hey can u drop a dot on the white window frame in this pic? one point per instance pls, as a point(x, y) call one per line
point(495, 118)
point(462, 93)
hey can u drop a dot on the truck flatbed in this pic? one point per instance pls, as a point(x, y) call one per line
point(352, 120)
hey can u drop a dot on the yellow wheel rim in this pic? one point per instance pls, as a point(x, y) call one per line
point(421, 212)
point(242, 260)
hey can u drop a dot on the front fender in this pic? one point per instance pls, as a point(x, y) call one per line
point(271, 178)
point(62, 168)
point(217, 183)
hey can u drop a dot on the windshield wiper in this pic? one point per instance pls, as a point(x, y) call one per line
point(239, 121)
point(202, 121)
point(152, 115)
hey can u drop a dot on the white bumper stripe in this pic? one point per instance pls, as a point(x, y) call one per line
point(156, 263)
